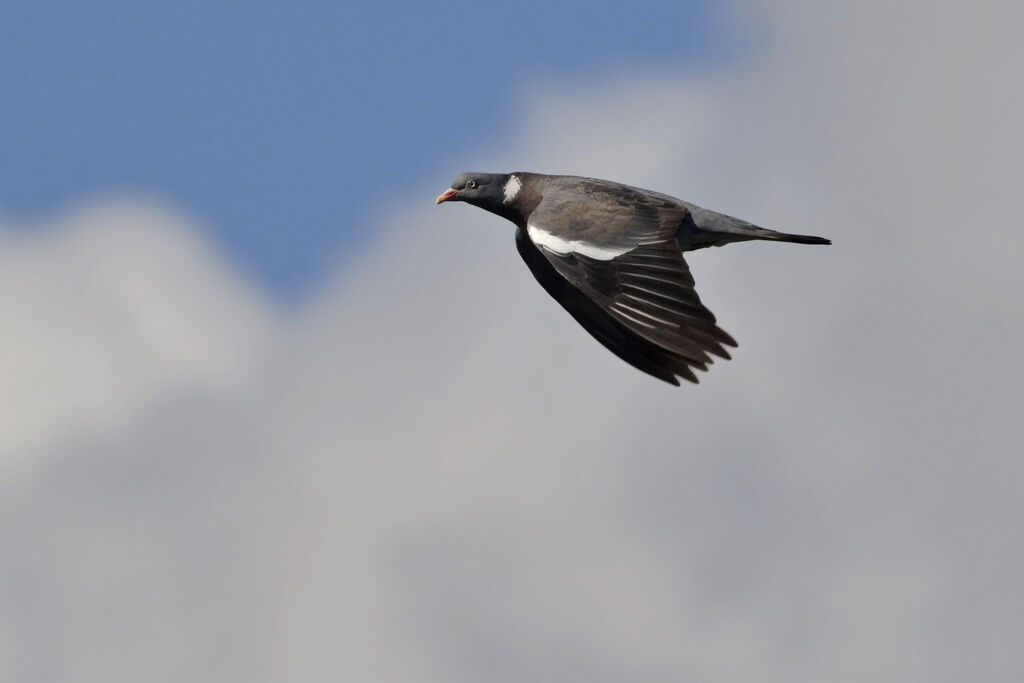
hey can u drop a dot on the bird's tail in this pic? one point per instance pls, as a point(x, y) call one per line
point(710, 228)
point(765, 234)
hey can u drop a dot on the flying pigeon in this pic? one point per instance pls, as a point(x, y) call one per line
point(612, 256)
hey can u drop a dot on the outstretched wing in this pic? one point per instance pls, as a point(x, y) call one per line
point(611, 326)
point(619, 251)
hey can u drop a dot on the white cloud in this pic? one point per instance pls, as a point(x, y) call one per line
point(435, 475)
point(105, 311)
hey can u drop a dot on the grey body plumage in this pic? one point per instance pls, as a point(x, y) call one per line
point(612, 256)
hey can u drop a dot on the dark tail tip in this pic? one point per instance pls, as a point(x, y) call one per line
point(802, 239)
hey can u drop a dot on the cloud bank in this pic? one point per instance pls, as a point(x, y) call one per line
point(431, 474)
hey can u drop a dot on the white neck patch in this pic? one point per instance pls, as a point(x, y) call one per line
point(512, 186)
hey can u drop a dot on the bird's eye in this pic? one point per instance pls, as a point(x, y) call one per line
point(471, 184)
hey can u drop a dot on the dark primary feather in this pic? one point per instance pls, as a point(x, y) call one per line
point(675, 355)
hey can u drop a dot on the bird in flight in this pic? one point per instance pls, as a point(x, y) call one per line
point(612, 256)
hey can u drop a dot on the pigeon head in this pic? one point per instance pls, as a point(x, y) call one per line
point(489, 191)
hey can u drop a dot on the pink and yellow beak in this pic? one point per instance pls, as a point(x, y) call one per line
point(445, 196)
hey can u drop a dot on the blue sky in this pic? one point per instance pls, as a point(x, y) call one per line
point(281, 126)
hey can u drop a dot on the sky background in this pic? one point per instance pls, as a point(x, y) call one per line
point(286, 126)
point(269, 414)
